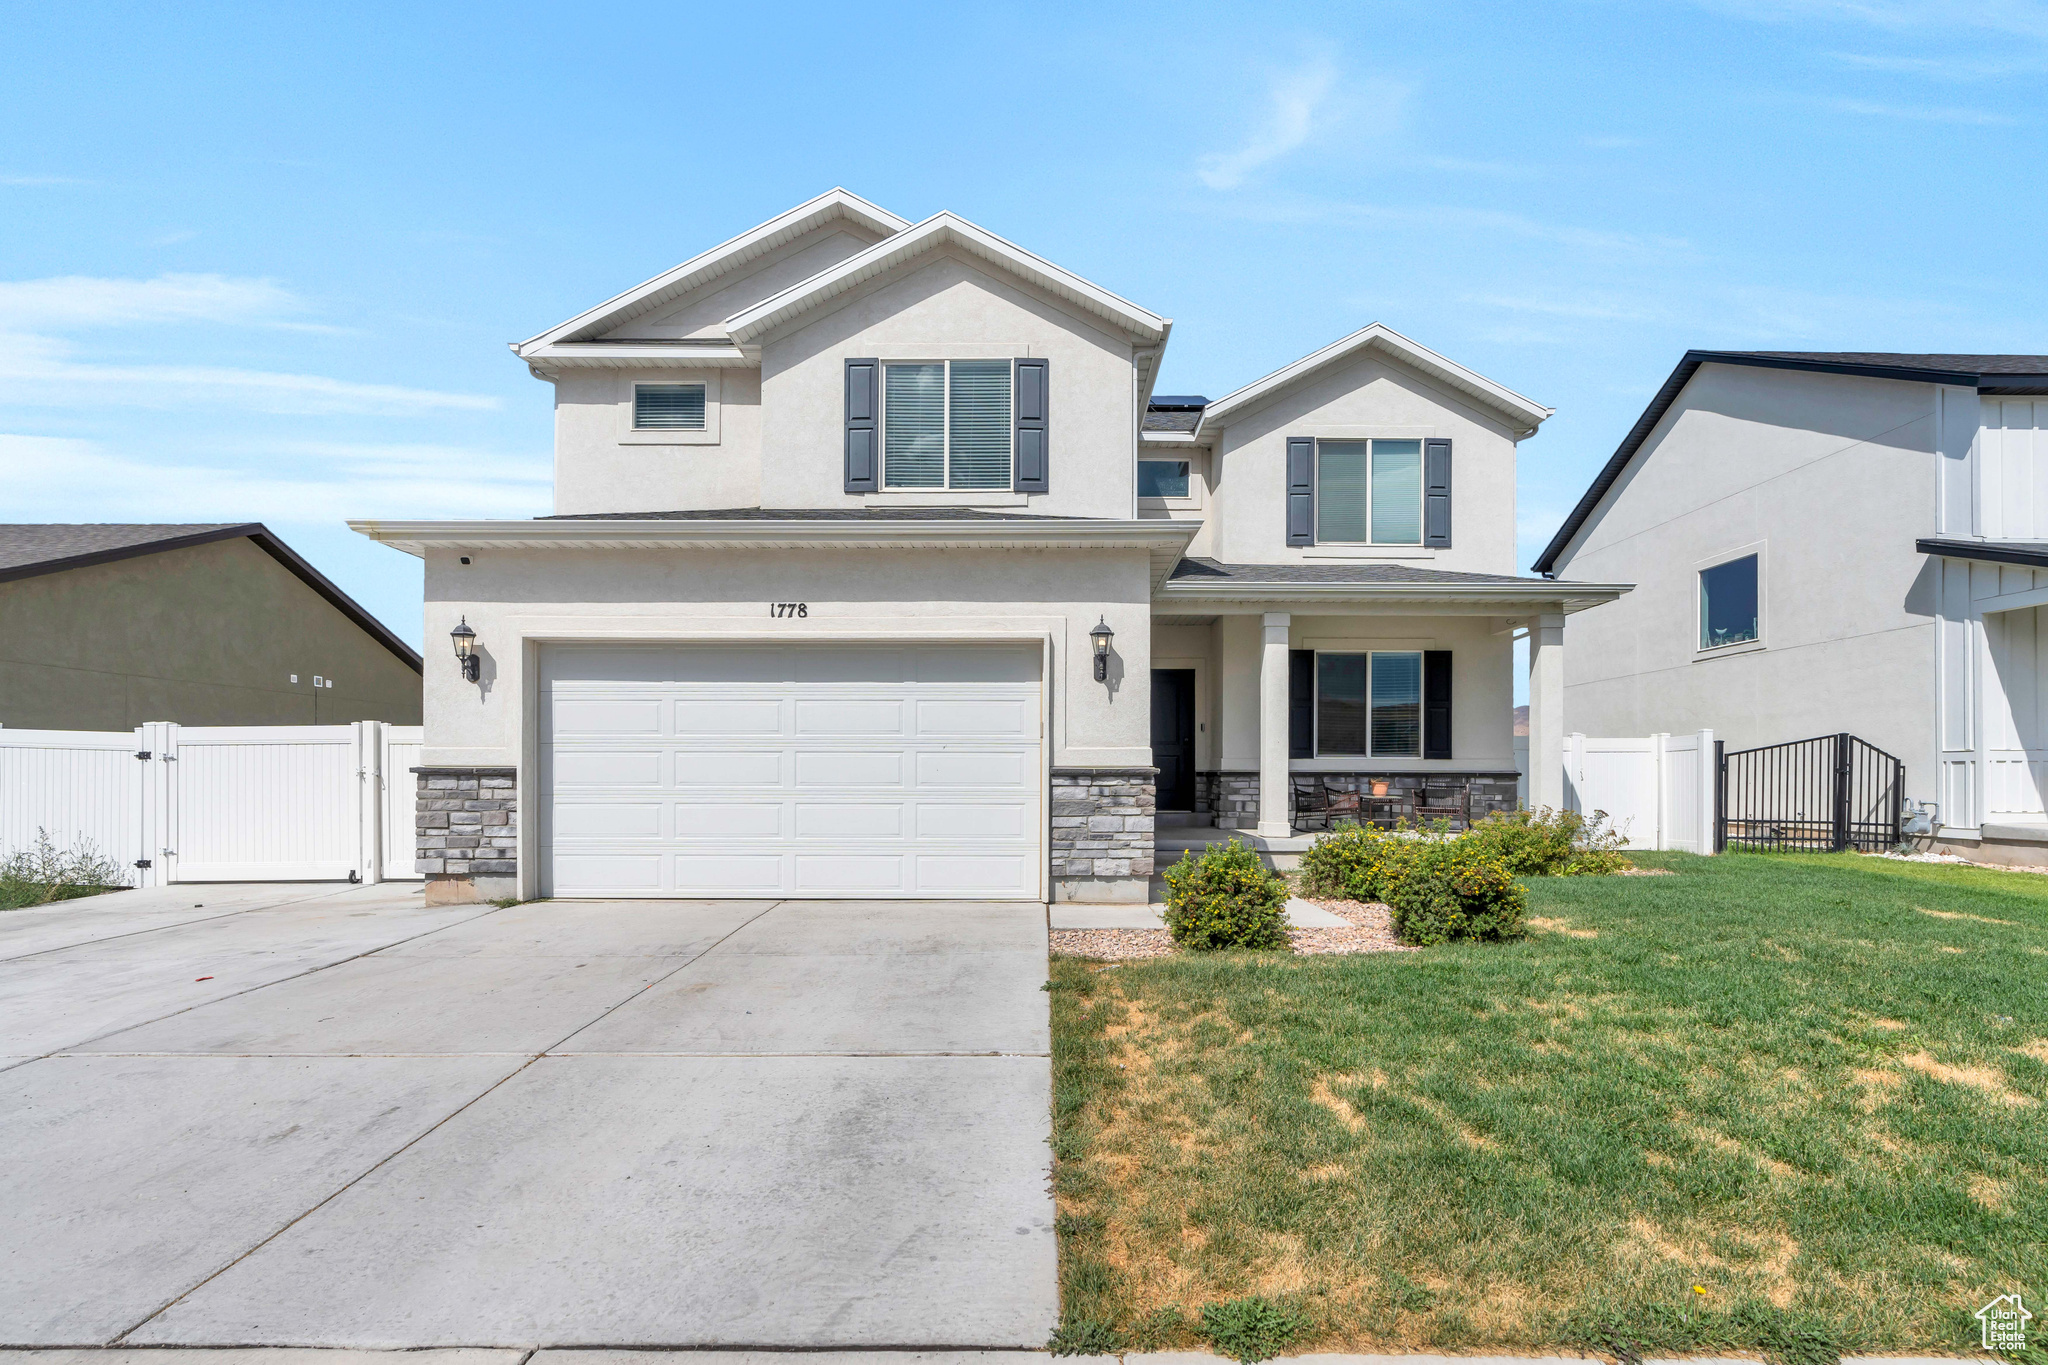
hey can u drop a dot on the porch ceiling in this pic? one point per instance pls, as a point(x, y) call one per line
point(1205, 587)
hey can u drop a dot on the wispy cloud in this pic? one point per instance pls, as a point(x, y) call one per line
point(30, 182)
point(78, 301)
point(1295, 102)
point(1949, 68)
point(1451, 218)
point(1914, 113)
point(51, 476)
point(1591, 309)
point(39, 371)
point(2025, 18)
point(1614, 141)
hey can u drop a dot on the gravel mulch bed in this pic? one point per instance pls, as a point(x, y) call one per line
point(1369, 930)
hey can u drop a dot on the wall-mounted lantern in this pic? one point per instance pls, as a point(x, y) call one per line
point(1101, 636)
point(465, 650)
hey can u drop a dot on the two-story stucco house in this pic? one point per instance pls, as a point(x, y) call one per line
point(878, 571)
point(1826, 543)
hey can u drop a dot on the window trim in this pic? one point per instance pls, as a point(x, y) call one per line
point(1702, 652)
point(1316, 706)
point(882, 484)
point(1372, 496)
point(636, 436)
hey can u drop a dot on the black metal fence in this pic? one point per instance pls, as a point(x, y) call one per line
point(1831, 793)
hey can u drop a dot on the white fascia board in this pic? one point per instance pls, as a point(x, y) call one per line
point(1164, 541)
point(603, 355)
point(942, 229)
point(1570, 597)
point(1524, 413)
point(728, 255)
point(1168, 438)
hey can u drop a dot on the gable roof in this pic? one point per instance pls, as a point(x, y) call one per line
point(1988, 374)
point(722, 259)
point(28, 550)
point(939, 230)
point(1523, 413)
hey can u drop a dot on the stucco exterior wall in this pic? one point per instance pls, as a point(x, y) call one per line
point(207, 635)
point(701, 312)
point(1830, 479)
point(517, 598)
point(950, 309)
point(1482, 687)
point(1366, 397)
point(603, 465)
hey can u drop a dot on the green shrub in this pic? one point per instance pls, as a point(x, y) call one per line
point(1552, 843)
point(42, 873)
point(1353, 861)
point(1253, 1328)
point(1225, 899)
point(1456, 888)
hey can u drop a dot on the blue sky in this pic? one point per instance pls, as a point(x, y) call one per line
point(262, 263)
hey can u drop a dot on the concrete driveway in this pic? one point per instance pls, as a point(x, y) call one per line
point(301, 1116)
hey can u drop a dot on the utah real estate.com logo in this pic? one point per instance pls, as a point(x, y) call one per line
point(2005, 1323)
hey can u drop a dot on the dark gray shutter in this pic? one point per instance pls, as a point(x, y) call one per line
point(1301, 703)
point(1301, 491)
point(1436, 702)
point(1031, 473)
point(1436, 493)
point(863, 434)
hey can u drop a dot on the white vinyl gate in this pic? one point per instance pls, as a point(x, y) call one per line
point(183, 803)
point(1658, 790)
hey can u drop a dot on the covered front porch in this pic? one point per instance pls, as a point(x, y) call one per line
point(1289, 698)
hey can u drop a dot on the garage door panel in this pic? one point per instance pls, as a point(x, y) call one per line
point(842, 820)
point(729, 872)
point(607, 718)
point(729, 821)
point(851, 665)
point(584, 767)
point(958, 873)
point(972, 768)
point(841, 872)
point(855, 768)
point(1004, 820)
point(849, 717)
point(1002, 718)
point(715, 768)
point(996, 664)
point(804, 770)
point(701, 717)
point(604, 873)
point(610, 820)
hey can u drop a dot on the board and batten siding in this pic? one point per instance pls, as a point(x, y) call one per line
point(2012, 469)
point(1993, 666)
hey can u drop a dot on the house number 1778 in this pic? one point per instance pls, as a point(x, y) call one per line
point(789, 609)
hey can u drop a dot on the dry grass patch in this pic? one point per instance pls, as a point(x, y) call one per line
point(1958, 914)
point(1986, 1080)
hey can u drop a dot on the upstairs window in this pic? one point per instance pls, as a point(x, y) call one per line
point(668, 407)
point(1369, 492)
point(1162, 478)
point(946, 424)
point(1728, 598)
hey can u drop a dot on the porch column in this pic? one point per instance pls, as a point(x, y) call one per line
point(1275, 819)
point(1546, 711)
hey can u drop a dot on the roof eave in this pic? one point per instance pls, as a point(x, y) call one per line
point(1572, 596)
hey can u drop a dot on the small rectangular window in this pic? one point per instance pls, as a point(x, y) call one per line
point(1728, 598)
point(668, 407)
point(946, 424)
point(1162, 478)
point(1369, 492)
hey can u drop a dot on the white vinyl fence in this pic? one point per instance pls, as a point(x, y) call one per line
point(1658, 790)
point(186, 803)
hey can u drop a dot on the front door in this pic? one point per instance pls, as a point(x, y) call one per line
point(1173, 736)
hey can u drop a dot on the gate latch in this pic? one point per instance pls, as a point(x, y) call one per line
point(142, 862)
point(142, 754)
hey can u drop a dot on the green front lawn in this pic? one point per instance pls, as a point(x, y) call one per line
point(1811, 1086)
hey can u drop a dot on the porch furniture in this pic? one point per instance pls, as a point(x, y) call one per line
point(1444, 803)
point(1321, 801)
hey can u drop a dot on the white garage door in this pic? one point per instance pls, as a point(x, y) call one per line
point(833, 771)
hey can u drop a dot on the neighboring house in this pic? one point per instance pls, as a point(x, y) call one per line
point(878, 571)
point(1833, 542)
point(106, 626)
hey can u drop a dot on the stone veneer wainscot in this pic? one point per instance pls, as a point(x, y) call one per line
point(467, 839)
point(1102, 833)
